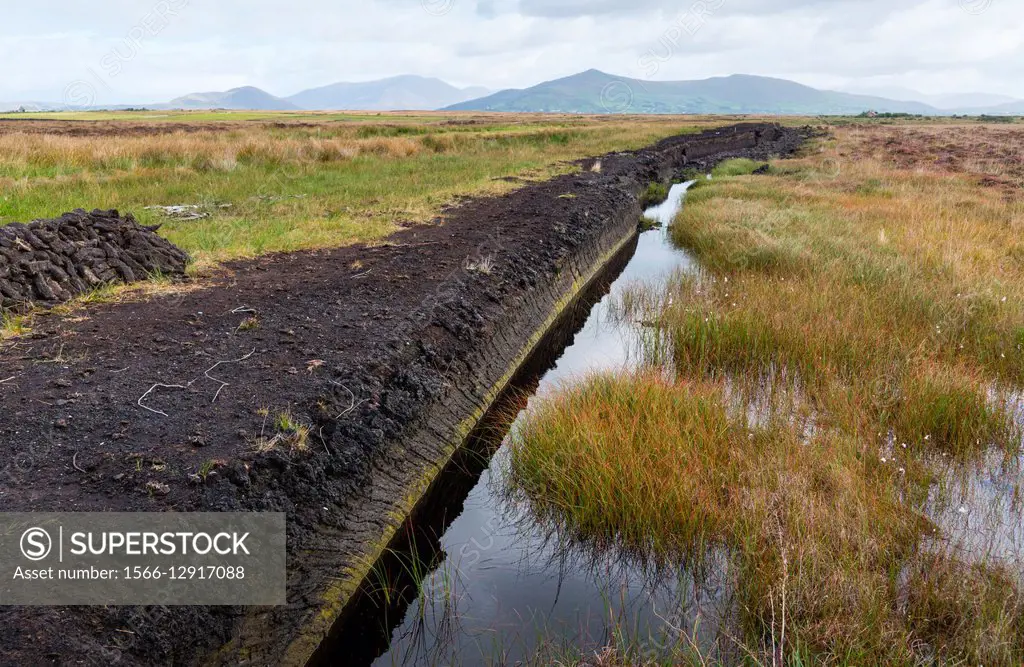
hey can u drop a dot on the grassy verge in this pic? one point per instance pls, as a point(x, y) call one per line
point(854, 337)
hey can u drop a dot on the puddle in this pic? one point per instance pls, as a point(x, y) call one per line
point(493, 588)
point(977, 505)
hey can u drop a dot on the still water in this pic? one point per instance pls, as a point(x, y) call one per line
point(493, 587)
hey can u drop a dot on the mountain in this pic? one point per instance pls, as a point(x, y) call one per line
point(970, 100)
point(951, 102)
point(396, 93)
point(1015, 108)
point(594, 91)
point(246, 97)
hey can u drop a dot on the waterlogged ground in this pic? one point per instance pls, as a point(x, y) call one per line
point(837, 400)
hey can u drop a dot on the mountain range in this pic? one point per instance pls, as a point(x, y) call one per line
point(946, 101)
point(592, 92)
point(399, 92)
point(396, 93)
point(246, 97)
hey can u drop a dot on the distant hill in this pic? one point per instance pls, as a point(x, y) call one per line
point(1015, 108)
point(246, 97)
point(396, 93)
point(972, 100)
point(594, 91)
point(952, 101)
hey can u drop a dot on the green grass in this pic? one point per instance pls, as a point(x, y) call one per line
point(736, 167)
point(12, 325)
point(272, 187)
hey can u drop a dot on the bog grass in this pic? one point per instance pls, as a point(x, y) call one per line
point(330, 181)
point(853, 337)
point(736, 167)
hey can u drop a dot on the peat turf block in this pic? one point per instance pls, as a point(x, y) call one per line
point(49, 261)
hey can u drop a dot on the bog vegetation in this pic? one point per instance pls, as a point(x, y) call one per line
point(250, 186)
point(832, 402)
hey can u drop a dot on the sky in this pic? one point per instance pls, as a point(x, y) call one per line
point(138, 51)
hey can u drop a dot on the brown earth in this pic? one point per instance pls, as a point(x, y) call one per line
point(99, 128)
point(384, 352)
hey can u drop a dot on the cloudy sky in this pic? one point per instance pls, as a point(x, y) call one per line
point(138, 51)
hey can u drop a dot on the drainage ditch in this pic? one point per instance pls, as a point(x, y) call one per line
point(470, 579)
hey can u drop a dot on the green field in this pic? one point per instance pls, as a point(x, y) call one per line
point(302, 181)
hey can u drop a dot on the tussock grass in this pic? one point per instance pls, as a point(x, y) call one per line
point(853, 340)
point(906, 299)
point(597, 456)
point(950, 412)
point(663, 469)
point(818, 528)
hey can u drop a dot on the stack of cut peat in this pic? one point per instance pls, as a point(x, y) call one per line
point(49, 261)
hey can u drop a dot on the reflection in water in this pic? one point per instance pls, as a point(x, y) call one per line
point(495, 588)
point(977, 505)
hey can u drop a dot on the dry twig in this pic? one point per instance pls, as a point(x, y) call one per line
point(186, 386)
point(352, 404)
point(222, 383)
point(154, 388)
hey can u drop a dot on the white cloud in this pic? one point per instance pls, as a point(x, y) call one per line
point(934, 45)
